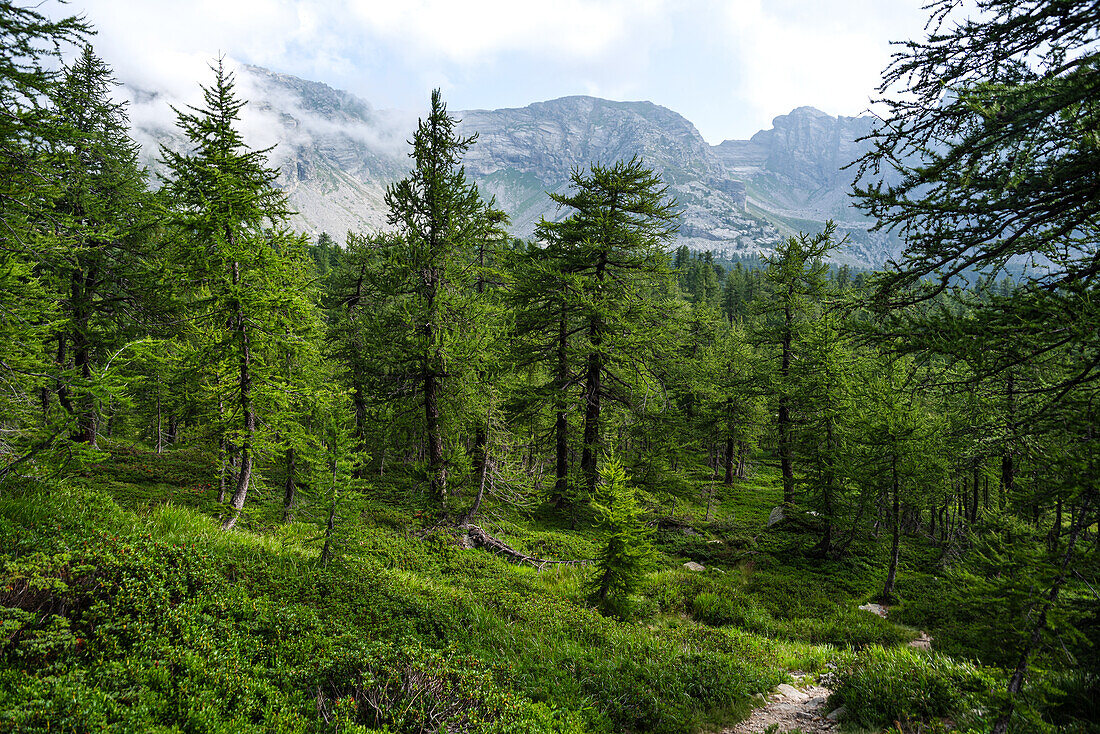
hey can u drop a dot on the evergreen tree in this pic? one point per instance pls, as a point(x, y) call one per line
point(441, 219)
point(796, 274)
point(986, 158)
point(244, 268)
point(30, 46)
point(546, 312)
point(821, 392)
point(103, 213)
point(627, 549)
point(614, 241)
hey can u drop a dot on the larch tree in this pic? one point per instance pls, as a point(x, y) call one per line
point(614, 240)
point(796, 273)
point(546, 310)
point(986, 156)
point(103, 214)
point(440, 220)
point(244, 268)
point(30, 48)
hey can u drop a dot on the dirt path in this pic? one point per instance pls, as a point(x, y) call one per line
point(799, 707)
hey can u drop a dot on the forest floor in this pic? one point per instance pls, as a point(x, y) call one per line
point(733, 614)
point(798, 707)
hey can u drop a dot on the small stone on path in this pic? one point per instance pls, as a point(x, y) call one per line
point(790, 691)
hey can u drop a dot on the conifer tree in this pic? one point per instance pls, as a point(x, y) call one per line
point(987, 157)
point(614, 241)
point(103, 213)
point(627, 549)
point(796, 273)
point(822, 392)
point(244, 268)
point(440, 219)
point(546, 313)
point(30, 47)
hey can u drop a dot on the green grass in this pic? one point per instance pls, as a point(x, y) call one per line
point(127, 608)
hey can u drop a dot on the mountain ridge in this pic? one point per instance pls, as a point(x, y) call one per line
point(336, 153)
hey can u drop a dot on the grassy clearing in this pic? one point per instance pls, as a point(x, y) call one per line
point(125, 608)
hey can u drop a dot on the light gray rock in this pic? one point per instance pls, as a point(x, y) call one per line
point(777, 516)
point(693, 566)
point(790, 691)
point(837, 714)
point(873, 608)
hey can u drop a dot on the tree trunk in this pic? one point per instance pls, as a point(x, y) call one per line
point(330, 523)
point(975, 495)
point(1008, 468)
point(244, 477)
point(82, 355)
point(483, 477)
point(360, 401)
point(1016, 682)
point(223, 459)
point(593, 393)
point(561, 421)
point(160, 432)
point(895, 549)
point(290, 487)
point(825, 545)
point(785, 448)
point(729, 459)
point(437, 470)
point(591, 421)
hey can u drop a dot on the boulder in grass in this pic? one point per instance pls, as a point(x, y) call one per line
point(693, 566)
point(776, 517)
point(873, 608)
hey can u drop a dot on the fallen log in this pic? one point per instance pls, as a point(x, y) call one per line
point(481, 539)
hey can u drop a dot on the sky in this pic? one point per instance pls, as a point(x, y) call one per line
point(728, 66)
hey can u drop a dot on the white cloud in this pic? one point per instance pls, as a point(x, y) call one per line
point(471, 32)
point(828, 55)
point(728, 65)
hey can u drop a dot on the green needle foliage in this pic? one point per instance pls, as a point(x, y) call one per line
point(244, 269)
point(614, 241)
point(441, 221)
point(627, 551)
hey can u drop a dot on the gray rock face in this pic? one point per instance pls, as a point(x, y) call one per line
point(523, 153)
point(798, 171)
point(336, 155)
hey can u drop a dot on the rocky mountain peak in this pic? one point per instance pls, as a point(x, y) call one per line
point(337, 154)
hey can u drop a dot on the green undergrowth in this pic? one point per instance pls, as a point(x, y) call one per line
point(124, 607)
point(160, 622)
point(879, 686)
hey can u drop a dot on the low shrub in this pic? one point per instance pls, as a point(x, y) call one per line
point(880, 686)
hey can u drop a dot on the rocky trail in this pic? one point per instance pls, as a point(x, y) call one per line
point(792, 707)
point(804, 707)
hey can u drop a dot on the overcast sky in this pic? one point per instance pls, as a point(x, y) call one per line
point(729, 66)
